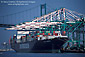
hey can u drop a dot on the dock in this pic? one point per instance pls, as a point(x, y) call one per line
point(4, 50)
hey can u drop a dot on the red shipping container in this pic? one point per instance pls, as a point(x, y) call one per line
point(48, 33)
point(29, 34)
point(56, 34)
point(37, 31)
point(64, 32)
point(43, 33)
point(38, 35)
point(53, 31)
point(32, 36)
point(23, 36)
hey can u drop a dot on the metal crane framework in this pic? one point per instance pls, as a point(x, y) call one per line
point(69, 22)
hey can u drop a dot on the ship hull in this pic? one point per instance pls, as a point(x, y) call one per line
point(49, 45)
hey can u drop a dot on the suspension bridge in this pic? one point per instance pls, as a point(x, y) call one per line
point(70, 23)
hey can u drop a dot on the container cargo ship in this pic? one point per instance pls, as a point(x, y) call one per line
point(47, 39)
point(43, 34)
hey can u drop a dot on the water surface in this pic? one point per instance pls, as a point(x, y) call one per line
point(14, 54)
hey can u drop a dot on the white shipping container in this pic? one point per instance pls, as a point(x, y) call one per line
point(18, 37)
point(22, 32)
point(18, 41)
point(51, 37)
point(43, 38)
point(56, 31)
point(38, 38)
point(41, 35)
point(37, 26)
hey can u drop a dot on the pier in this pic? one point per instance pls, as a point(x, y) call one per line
point(4, 50)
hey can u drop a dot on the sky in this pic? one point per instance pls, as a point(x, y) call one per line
point(12, 14)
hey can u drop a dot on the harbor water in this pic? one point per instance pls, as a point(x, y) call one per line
point(14, 54)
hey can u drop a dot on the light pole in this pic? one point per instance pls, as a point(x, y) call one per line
point(5, 44)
